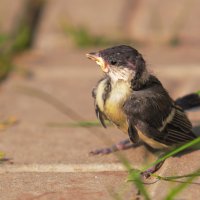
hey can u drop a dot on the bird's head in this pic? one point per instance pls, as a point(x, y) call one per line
point(119, 62)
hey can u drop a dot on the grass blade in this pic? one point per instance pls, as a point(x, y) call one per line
point(77, 124)
point(51, 100)
point(135, 176)
point(171, 178)
point(175, 151)
point(175, 191)
point(198, 92)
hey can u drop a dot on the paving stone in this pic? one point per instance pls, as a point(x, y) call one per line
point(158, 21)
point(64, 186)
point(150, 21)
point(69, 77)
point(62, 82)
point(178, 166)
point(139, 20)
point(10, 12)
point(33, 141)
point(99, 17)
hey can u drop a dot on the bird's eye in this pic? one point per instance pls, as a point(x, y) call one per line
point(113, 62)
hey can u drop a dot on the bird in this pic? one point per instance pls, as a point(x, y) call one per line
point(135, 101)
point(187, 102)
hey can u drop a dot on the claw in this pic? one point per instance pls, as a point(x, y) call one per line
point(146, 174)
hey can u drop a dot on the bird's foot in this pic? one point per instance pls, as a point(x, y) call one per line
point(122, 145)
point(147, 173)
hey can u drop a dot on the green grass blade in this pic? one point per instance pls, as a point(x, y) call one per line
point(171, 178)
point(198, 92)
point(77, 124)
point(135, 176)
point(175, 191)
point(51, 100)
point(175, 151)
point(2, 155)
point(3, 39)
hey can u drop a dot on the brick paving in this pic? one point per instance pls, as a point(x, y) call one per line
point(53, 162)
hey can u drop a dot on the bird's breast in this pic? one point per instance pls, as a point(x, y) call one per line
point(112, 106)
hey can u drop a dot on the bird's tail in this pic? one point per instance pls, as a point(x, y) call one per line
point(189, 101)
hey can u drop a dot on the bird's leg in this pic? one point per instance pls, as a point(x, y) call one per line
point(147, 173)
point(122, 145)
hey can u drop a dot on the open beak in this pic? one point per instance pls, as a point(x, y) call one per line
point(99, 60)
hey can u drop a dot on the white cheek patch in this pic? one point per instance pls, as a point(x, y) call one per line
point(121, 74)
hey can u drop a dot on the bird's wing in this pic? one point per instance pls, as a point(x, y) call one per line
point(179, 129)
point(154, 114)
point(100, 115)
point(94, 90)
point(132, 132)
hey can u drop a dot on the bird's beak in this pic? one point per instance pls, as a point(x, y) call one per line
point(99, 60)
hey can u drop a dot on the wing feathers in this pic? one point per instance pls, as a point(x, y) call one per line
point(100, 116)
point(179, 130)
point(132, 132)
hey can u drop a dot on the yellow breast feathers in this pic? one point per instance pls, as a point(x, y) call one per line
point(112, 106)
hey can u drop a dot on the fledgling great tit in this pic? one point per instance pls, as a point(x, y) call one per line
point(136, 102)
point(189, 102)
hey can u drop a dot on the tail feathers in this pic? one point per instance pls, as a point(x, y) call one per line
point(189, 101)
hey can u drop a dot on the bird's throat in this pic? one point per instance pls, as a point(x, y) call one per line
point(120, 74)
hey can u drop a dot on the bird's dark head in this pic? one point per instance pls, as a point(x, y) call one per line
point(119, 62)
